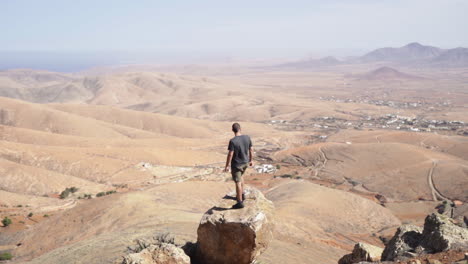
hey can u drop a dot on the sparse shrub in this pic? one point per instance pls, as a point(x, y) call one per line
point(105, 193)
point(6, 221)
point(140, 245)
point(85, 196)
point(19, 205)
point(6, 256)
point(285, 176)
point(278, 166)
point(298, 177)
point(164, 238)
point(22, 222)
point(46, 215)
point(30, 214)
point(64, 194)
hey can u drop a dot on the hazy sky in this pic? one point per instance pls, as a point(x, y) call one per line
point(232, 28)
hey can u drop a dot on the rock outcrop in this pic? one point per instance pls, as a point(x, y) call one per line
point(440, 234)
point(362, 252)
point(406, 239)
point(163, 253)
point(235, 236)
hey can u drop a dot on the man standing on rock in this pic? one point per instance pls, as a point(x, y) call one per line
point(239, 158)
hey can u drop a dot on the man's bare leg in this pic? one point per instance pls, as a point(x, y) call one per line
point(239, 190)
point(243, 190)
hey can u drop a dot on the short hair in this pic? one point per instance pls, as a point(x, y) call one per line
point(236, 127)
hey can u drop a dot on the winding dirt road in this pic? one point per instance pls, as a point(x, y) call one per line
point(323, 162)
point(53, 208)
point(435, 193)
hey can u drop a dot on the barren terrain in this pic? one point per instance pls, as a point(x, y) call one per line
point(356, 149)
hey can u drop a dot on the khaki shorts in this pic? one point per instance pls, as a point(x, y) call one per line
point(238, 171)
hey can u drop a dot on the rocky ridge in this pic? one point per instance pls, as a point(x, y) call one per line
point(440, 234)
point(225, 235)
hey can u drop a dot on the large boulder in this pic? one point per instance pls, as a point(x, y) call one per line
point(163, 253)
point(235, 236)
point(362, 252)
point(406, 239)
point(441, 233)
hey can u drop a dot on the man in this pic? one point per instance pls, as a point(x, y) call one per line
point(239, 158)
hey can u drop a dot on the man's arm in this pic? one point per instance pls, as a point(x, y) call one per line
point(251, 156)
point(228, 160)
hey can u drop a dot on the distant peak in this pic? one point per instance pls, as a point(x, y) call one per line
point(387, 73)
point(385, 69)
point(414, 45)
point(329, 59)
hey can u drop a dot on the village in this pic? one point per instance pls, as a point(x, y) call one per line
point(388, 121)
point(431, 106)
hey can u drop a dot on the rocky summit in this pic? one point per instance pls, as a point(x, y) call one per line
point(406, 239)
point(230, 236)
point(440, 234)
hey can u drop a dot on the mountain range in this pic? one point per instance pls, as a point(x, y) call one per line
point(412, 54)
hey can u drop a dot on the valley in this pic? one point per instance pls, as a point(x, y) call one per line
point(89, 162)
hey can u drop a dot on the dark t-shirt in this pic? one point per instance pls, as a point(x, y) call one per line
point(240, 145)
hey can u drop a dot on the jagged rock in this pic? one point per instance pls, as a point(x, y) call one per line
point(440, 234)
point(235, 236)
point(407, 238)
point(362, 252)
point(163, 253)
point(346, 259)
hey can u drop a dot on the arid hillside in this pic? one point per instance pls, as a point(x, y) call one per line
point(346, 152)
point(399, 172)
point(345, 92)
